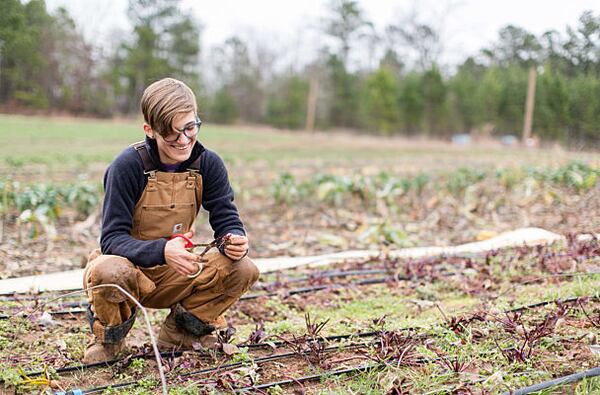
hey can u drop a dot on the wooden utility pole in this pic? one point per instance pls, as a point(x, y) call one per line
point(311, 102)
point(529, 105)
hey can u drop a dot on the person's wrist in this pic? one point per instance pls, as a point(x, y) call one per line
point(188, 243)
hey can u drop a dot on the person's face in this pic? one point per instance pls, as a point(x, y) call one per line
point(178, 148)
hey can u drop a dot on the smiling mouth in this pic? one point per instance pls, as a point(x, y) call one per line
point(181, 147)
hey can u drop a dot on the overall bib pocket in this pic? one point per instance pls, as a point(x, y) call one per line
point(164, 220)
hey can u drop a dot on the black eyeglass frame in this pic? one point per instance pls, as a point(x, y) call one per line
point(197, 124)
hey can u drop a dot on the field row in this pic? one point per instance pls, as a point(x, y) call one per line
point(443, 325)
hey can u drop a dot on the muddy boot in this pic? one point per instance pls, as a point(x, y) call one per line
point(109, 340)
point(181, 329)
point(102, 352)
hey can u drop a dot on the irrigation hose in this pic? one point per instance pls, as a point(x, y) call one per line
point(590, 373)
point(316, 288)
point(180, 352)
point(279, 343)
point(295, 291)
point(559, 381)
point(310, 378)
point(258, 360)
point(269, 358)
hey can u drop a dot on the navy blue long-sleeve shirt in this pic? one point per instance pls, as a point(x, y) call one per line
point(124, 182)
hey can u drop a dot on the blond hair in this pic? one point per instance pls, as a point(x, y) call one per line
point(163, 100)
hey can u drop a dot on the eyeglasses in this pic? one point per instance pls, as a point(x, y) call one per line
point(190, 131)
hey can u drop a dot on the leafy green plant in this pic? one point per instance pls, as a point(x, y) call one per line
point(364, 188)
point(461, 179)
point(39, 222)
point(575, 175)
point(510, 177)
point(241, 356)
point(285, 189)
point(9, 375)
point(385, 233)
point(419, 182)
point(192, 389)
point(7, 195)
point(276, 390)
point(43, 199)
point(333, 189)
point(83, 197)
point(391, 186)
point(137, 365)
point(40, 205)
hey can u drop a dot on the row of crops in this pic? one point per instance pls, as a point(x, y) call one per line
point(40, 206)
point(575, 176)
point(45, 203)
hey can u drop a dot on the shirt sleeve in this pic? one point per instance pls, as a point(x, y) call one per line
point(217, 197)
point(124, 182)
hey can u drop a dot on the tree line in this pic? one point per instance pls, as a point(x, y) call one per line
point(386, 82)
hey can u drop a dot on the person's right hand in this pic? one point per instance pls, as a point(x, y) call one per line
point(180, 259)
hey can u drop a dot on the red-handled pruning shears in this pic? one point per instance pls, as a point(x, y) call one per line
point(190, 245)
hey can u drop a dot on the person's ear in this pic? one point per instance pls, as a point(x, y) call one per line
point(148, 130)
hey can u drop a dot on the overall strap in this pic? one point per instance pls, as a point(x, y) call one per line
point(193, 174)
point(149, 167)
point(195, 165)
point(194, 179)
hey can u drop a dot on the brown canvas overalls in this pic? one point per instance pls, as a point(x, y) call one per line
point(169, 204)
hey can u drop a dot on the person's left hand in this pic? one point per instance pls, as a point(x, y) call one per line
point(237, 247)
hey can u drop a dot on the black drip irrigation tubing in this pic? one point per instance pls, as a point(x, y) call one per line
point(285, 293)
point(523, 391)
point(319, 276)
point(303, 290)
point(271, 358)
point(82, 367)
point(572, 378)
point(260, 360)
point(180, 352)
point(314, 377)
point(538, 387)
point(565, 380)
point(341, 273)
point(329, 274)
point(12, 297)
point(314, 288)
point(547, 302)
point(323, 338)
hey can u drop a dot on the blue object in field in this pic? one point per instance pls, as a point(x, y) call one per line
point(70, 392)
point(509, 140)
point(461, 139)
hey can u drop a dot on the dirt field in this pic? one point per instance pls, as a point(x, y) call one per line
point(482, 323)
point(444, 325)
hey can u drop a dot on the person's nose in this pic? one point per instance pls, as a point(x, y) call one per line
point(183, 138)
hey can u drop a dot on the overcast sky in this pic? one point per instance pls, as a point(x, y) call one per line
point(468, 25)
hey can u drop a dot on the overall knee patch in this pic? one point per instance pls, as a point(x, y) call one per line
point(190, 323)
point(110, 334)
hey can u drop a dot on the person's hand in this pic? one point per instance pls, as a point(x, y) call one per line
point(237, 247)
point(180, 259)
